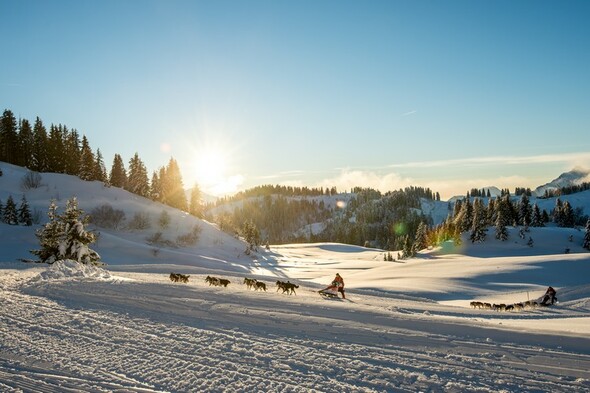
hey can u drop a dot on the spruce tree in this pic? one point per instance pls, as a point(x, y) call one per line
point(557, 213)
point(537, 218)
point(478, 228)
point(40, 142)
point(586, 243)
point(421, 240)
point(173, 188)
point(196, 205)
point(501, 230)
point(72, 152)
point(524, 210)
point(137, 181)
point(8, 138)
point(64, 236)
point(87, 161)
point(118, 176)
point(156, 192)
point(567, 215)
point(10, 214)
point(24, 213)
point(1, 211)
point(55, 150)
point(25, 144)
point(49, 237)
point(100, 172)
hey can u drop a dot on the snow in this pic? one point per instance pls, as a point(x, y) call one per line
point(405, 326)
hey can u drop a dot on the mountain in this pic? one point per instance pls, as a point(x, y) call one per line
point(572, 178)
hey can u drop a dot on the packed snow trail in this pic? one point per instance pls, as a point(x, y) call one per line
point(149, 335)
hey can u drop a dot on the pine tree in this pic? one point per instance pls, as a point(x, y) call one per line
point(478, 228)
point(408, 248)
point(118, 176)
point(420, 241)
point(40, 142)
point(196, 205)
point(100, 172)
point(524, 210)
point(137, 181)
point(24, 213)
point(10, 214)
point(55, 150)
point(49, 237)
point(537, 218)
point(26, 143)
point(72, 152)
point(557, 213)
point(501, 230)
point(586, 243)
point(8, 138)
point(64, 236)
point(156, 187)
point(1, 211)
point(87, 161)
point(567, 215)
point(173, 188)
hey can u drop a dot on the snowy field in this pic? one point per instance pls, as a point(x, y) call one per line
point(404, 327)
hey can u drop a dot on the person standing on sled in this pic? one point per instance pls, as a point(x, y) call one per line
point(549, 297)
point(337, 284)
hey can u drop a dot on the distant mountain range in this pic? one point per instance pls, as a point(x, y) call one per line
point(574, 177)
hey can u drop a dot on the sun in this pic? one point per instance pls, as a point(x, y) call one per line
point(210, 168)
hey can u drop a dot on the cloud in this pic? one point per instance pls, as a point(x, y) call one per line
point(574, 159)
point(348, 179)
point(409, 113)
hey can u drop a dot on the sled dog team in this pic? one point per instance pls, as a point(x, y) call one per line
point(548, 299)
point(287, 287)
point(177, 277)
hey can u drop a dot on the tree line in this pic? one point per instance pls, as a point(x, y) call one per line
point(63, 150)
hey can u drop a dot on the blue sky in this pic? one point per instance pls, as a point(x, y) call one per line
point(448, 95)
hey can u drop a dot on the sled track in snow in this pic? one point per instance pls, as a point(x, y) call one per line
point(48, 346)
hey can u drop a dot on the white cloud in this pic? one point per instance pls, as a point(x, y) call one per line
point(572, 159)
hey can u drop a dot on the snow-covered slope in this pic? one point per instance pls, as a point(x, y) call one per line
point(405, 326)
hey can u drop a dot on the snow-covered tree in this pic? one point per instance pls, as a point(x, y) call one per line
point(24, 213)
point(421, 239)
point(64, 236)
point(537, 218)
point(10, 214)
point(557, 213)
point(524, 210)
point(567, 215)
point(478, 228)
point(501, 231)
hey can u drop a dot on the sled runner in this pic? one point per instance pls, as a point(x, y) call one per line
point(330, 295)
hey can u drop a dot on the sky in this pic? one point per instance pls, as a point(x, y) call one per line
point(384, 94)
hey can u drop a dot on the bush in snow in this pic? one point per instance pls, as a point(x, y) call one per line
point(157, 239)
point(64, 236)
point(107, 217)
point(164, 220)
point(189, 239)
point(139, 221)
point(30, 181)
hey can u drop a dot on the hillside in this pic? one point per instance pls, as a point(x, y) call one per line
point(405, 325)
